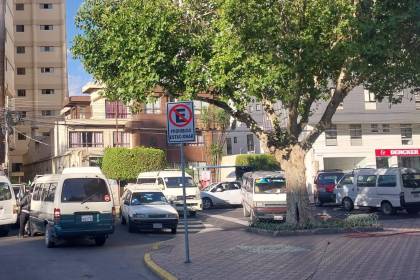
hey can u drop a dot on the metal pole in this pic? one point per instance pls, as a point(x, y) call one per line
point(187, 245)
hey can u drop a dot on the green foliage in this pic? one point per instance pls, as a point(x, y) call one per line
point(126, 164)
point(258, 162)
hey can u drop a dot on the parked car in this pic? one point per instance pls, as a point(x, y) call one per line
point(8, 206)
point(146, 207)
point(264, 196)
point(388, 189)
point(325, 182)
point(77, 203)
point(170, 183)
point(221, 194)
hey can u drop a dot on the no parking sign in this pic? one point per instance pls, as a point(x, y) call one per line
point(181, 123)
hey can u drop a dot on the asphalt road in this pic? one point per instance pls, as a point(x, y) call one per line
point(120, 258)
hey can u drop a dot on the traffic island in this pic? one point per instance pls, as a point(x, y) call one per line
point(155, 268)
point(321, 225)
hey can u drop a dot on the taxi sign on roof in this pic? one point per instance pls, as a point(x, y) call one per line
point(180, 122)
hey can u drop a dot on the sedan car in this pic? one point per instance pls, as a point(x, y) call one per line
point(147, 209)
point(221, 194)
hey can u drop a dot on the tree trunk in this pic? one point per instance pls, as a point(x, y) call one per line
point(293, 164)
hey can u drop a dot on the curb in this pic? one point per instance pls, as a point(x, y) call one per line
point(155, 268)
point(313, 231)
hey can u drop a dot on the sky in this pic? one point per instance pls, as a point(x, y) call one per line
point(77, 76)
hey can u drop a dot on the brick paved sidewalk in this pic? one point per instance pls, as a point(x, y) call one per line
point(243, 255)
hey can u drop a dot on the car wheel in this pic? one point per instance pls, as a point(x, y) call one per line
point(412, 211)
point(173, 230)
point(207, 203)
point(246, 212)
point(131, 227)
point(123, 221)
point(387, 208)
point(348, 204)
point(49, 239)
point(100, 240)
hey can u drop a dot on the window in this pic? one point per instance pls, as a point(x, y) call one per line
point(374, 128)
point(21, 71)
point(200, 106)
point(258, 107)
point(347, 180)
point(228, 146)
point(355, 134)
point(331, 136)
point(36, 194)
point(387, 181)
point(199, 140)
point(153, 108)
point(21, 136)
point(382, 162)
point(406, 134)
point(146, 181)
point(84, 189)
point(20, 49)
point(5, 191)
point(250, 142)
point(47, 70)
point(46, 27)
point(45, 6)
point(21, 92)
point(235, 140)
point(46, 134)
point(51, 192)
point(85, 139)
point(47, 91)
point(417, 99)
point(20, 7)
point(17, 167)
point(47, 113)
point(115, 109)
point(366, 180)
point(369, 96)
point(121, 139)
point(141, 198)
point(386, 128)
point(20, 28)
point(21, 114)
point(47, 48)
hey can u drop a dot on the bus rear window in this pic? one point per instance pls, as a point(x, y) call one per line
point(411, 180)
point(85, 190)
point(270, 185)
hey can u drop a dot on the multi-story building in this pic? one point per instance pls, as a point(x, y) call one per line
point(36, 34)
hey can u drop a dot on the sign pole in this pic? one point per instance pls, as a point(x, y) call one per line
point(187, 246)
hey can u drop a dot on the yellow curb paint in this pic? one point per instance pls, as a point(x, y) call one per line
point(156, 246)
point(160, 272)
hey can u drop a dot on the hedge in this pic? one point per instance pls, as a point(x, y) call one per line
point(258, 162)
point(126, 164)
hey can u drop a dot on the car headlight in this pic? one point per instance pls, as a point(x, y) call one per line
point(173, 216)
point(259, 204)
point(137, 215)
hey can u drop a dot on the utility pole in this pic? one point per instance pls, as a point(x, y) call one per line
point(116, 124)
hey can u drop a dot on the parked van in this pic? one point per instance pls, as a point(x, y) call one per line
point(264, 195)
point(388, 189)
point(170, 182)
point(73, 204)
point(8, 206)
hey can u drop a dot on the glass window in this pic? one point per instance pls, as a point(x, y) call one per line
point(270, 185)
point(5, 191)
point(45, 6)
point(199, 106)
point(356, 134)
point(347, 180)
point(121, 139)
point(331, 136)
point(20, 28)
point(47, 70)
point(51, 192)
point(44, 191)
point(20, 71)
point(250, 142)
point(21, 92)
point(176, 182)
point(234, 186)
point(374, 128)
point(387, 181)
point(21, 136)
point(199, 140)
point(46, 27)
point(20, 7)
point(228, 146)
point(47, 113)
point(47, 91)
point(148, 198)
point(84, 189)
point(406, 134)
point(329, 178)
point(146, 180)
point(369, 96)
point(85, 139)
point(366, 180)
point(258, 107)
point(46, 48)
point(20, 49)
point(115, 109)
point(153, 108)
point(386, 128)
point(411, 180)
point(36, 195)
point(235, 140)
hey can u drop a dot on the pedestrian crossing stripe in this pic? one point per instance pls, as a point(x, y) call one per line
point(196, 226)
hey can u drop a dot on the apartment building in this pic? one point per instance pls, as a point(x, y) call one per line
point(36, 33)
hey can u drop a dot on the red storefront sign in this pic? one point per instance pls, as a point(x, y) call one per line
point(397, 152)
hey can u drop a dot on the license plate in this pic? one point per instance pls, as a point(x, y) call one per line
point(157, 226)
point(278, 218)
point(87, 218)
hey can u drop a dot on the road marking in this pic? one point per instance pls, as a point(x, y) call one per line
point(229, 219)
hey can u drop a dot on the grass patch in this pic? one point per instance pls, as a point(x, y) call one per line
point(352, 221)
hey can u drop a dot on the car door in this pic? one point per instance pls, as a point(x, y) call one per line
point(7, 202)
point(345, 188)
point(366, 190)
point(234, 193)
point(126, 205)
point(220, 194)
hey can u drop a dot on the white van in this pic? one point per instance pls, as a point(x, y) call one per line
point(72, 205)
point(8, 206)
point(388, 189)
point(170, 182)
point(264, 195)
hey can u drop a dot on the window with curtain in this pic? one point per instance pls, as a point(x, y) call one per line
point(79, 139)
point(115, 109)
point(121, 139)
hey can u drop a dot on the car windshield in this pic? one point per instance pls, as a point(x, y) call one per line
point(329, 178)
point(270, 185)
point(140, 198)
point(411, 180)
point(176, 182)
point(85, 189)
point(5, 193)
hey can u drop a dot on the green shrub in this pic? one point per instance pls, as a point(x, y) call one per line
point(258, 162)
point(126, 164)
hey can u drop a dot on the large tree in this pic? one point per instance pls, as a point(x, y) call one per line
point(286, 54)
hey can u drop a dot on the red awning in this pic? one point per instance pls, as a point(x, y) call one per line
point(397, 152)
